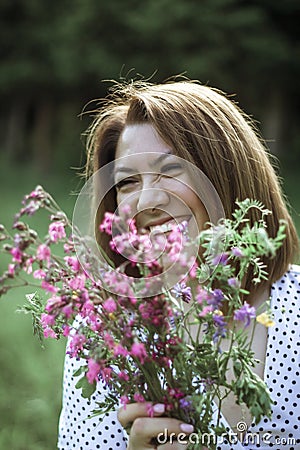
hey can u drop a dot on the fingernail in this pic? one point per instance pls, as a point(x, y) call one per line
point(159, 408)
point(186, 428)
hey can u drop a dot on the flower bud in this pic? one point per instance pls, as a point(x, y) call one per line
point(33, 234)
point(20, 226)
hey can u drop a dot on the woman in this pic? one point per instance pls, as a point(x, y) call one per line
point(168, 123)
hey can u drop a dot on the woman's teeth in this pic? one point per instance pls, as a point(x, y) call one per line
point(166, 227)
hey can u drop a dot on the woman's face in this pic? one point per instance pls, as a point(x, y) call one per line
point(154, 182)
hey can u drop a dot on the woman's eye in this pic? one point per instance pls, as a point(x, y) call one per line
point(171, 168)
point(125, 183)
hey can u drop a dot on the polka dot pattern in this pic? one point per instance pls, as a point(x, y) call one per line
point(282, 431)
point(78, 431)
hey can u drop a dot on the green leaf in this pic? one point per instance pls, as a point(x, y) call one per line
point(87, 389)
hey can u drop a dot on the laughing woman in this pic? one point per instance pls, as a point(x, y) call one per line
point(152, 127)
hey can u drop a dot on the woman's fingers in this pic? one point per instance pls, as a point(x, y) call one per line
point(163, 429)
point(155, 431)
point(132, 411)
point(173, 446)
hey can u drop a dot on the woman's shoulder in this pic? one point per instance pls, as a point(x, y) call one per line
point(286, 291)
point(294, 269)
point(291, 277)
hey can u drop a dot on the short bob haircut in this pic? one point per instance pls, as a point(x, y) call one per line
point(206, 128)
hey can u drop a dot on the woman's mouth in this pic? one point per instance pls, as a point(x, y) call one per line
point(169, 225)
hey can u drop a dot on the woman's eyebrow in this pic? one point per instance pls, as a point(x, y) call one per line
point(124, 169)
point(160, 159)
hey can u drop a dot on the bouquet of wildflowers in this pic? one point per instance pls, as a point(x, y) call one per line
point(145, 341)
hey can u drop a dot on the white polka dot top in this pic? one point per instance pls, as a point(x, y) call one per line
point(281, 432)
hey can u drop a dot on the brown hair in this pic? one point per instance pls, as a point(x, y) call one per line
point(207, 129)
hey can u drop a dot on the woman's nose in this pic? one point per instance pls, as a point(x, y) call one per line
point(152, 198)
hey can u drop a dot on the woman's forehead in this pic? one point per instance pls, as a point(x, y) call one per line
point(140, 138)
point(140, 144)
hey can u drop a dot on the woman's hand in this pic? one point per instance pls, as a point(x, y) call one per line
point(153, 432)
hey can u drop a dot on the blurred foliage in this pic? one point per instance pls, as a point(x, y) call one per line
point(31, 377)
point(55, 53)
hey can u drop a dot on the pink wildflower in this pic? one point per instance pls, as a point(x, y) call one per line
point(138, 397)
point(48, 287)
point(139, 351)
point(43, 253)
point(109, 340)
point(202, 295)
point(67, 330)
point(76, 344)
point(73, 262)
point(193, 269)
point(176, 393)
point(49, 333)
point(57, 231)
point(53, 302)
point(119, 350)
point(107, 223)
point(30, 208)
point(68, 311)
point(87, 308)
point(206, 310)
point(150, 410)
point(94, 321)
point(124, 400)
point(123, 376)
point(106, 374)
point(132, 226)
point(28, 265)
point(34, 194)
point(47, 320)
point(16, 254)
point(77, 282)
point(11, 269)
point(68, 248)
point(175, 236)
point(125, 209)
point(110, 305)
point(93, 371)
point(39, 274)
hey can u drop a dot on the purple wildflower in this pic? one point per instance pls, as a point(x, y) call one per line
point(221, 324)
point(185, 404)
point(245, 314)
point(216, 298)
point(237, 252)
point(219, 320)
point(234, 283)
point(221, 258)
point(182, 291)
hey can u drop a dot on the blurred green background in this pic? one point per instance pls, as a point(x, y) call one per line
point(54, 58)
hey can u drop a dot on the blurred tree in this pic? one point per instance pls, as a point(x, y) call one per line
point(55, 53)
